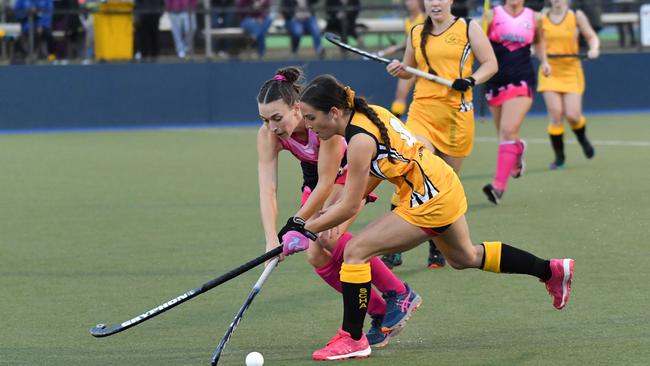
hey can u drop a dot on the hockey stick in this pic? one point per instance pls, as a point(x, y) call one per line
point(337, 41)
point(101, 330)
point(581, 56)
point(238, 317)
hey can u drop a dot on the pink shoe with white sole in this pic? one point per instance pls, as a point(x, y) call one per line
point(342, 347)
point(559, 285)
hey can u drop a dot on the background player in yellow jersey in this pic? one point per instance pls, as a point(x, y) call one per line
point(444, 118)
point(564, 87)
point(415, 10)
point(432, 203)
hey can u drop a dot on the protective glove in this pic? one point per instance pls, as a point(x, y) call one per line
point(463, 84)
point(294, 236)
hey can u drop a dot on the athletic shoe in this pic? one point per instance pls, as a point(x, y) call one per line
point(588, 149)
point(559, 285)
point(342, 347)
point(376, 337)
point(435, 260)
point(557, 164)
point(392, 260)
point(518, 171)
point(493, 194)
point(399, 308)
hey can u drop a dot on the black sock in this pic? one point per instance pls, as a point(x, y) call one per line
point(515, 260)
point(355, 306)
point(432, 247)
point(557, 142)
point(581, 134)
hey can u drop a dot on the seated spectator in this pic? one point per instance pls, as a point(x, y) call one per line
point(36, 16)
point(342, 18)
point(223, 16)
point(182, 16)
point(67, 21)
point(625, 29)
point(255, 21)
point(299, 19)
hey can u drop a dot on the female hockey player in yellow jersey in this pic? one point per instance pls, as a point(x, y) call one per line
point(444, 118)
point(432, 204)
point(564, 87)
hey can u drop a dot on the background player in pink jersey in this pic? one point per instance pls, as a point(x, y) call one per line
point(512, 30)
point(323, 167)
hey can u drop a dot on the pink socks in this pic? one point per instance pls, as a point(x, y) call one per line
point(508, 157)
point(382, 277)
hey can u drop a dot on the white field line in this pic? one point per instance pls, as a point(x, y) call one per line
point(623, 143)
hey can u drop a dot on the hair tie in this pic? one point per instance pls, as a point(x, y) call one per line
point(349, 93)
point(280, 77)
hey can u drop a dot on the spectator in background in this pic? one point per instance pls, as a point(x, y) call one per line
point(182, 15)
point(147, 19)
point(35, 15)
point(255, 21)
point(86, 19)
point(625, 6)
point(223, 16)
point(66, 20)
point(342, 18)
point(299, 19)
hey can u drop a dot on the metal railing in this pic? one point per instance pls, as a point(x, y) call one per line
point(389, 19)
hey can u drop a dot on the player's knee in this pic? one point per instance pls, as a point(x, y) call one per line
point(573, 118)
point(326, 243)
point(317, 257)
point(355, 252)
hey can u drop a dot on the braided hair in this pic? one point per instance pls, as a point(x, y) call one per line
point(325, 92)
point(285, 85)
point(424, 34)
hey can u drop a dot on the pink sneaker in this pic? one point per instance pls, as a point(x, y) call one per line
point(342, 347)
point(559, 285)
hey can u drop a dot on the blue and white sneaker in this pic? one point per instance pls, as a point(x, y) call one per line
point(376, 337)
point(399, 308)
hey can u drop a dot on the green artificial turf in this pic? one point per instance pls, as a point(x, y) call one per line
point(99, 227)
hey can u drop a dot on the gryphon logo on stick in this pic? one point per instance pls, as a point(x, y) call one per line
point(158, 308)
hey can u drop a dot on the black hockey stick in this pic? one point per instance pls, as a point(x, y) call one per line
point(238, 317)
point(101, 330)
point(337, 41)
point(582, 56)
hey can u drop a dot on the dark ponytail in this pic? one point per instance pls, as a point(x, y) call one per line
point(426, 30)
point(285, 85)
point(325, 92)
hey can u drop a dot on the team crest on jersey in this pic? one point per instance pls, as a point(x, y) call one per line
point(527, 25)
point(453, 39)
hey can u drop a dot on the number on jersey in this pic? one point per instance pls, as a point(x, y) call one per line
point(405, 134)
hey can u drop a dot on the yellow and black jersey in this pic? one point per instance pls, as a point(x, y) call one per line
point(430, 193)
point(450, 57)
point(562, 38)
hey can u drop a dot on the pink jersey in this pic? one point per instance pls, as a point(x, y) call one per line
point(304, 151)
point(513, 32)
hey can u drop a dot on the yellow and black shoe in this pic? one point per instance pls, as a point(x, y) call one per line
point(436, 259)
